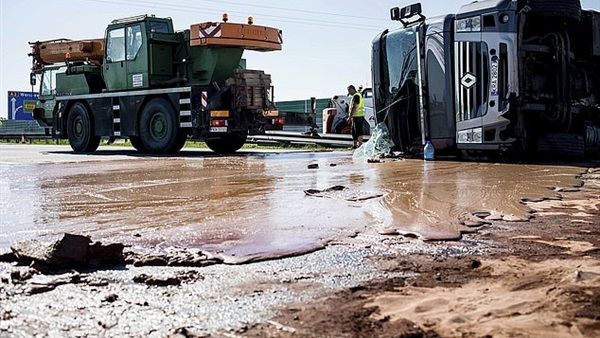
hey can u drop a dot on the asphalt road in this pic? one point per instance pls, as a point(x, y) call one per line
point(39, 182)
point(254, 204)
point(247, 204)
point(245, 207)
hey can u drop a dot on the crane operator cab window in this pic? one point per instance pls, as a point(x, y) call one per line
point(115, 49)
point(159, 27)
point(134, 41)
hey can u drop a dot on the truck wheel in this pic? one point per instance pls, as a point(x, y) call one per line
point(558, 145)
point(158, 127)
point(570, 9)
point(136, 142)
point(80, 129)
point(180, 142)
point(229, 143)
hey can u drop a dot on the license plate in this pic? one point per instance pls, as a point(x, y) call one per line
point(218, 129)
point(271, 113)
point(494, 80)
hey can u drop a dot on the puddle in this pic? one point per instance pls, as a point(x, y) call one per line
point(256, 206)
point(431, 199)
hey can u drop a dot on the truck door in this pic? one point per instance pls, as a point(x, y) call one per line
point(115, 67)
point(471, 82)
point(125, 64)
point(136, 57)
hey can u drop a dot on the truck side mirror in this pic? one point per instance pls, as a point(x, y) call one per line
point(395, 14)
point(32, 79)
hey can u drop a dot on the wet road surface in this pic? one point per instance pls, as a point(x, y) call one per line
point(251, 204)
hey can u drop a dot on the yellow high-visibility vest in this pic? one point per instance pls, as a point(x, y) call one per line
point(360, 110)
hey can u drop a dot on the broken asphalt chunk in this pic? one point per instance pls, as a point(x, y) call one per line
point(69, 252)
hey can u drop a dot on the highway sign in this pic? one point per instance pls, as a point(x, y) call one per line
point(21, 105)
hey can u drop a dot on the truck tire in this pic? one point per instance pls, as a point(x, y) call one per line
point(570, 9)
point(80, 129)
point(180, 142)
point(559, 145)
point(229, 143)
point(158, 127)
point(136, 142)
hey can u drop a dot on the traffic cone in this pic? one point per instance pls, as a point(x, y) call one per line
point(23, 138)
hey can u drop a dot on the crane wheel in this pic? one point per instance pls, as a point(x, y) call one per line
point(229, 143)
point(180, 142)
point(136, 142)
point(80, 129)
point(158, 127)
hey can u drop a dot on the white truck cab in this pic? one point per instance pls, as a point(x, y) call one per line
point(334, 118)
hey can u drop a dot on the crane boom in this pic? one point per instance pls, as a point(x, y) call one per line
point(55, 51)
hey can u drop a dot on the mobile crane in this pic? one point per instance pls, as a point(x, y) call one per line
point(155, 86)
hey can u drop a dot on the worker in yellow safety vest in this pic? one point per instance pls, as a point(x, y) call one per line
point(356, 116)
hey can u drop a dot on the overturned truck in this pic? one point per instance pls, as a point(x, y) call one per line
point(156, 86)
point(500, 77)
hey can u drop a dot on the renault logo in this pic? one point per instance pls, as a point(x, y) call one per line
point(468, 80)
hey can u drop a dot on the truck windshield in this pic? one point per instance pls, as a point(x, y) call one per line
point(399, 62)
point(48, 85)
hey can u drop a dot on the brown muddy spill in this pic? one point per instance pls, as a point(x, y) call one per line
point(434, 199)
point(255, 205)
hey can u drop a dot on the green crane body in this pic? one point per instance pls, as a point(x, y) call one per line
point(193, 76)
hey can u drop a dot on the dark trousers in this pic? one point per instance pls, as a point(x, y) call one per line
point(357, 127)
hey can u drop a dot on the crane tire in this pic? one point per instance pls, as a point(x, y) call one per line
point(80, 129)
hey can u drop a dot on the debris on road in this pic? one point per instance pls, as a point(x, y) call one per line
point(184, 257)
point(70, 252)
point(343, 193)
point(378, 146)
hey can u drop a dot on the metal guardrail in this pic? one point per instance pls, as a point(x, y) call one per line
point(31, 130)
point(12, 129)
point(283, 137)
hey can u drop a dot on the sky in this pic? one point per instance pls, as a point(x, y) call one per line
point(326, 44)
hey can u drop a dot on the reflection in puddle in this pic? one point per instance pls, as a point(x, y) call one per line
point(255, 205)
point(431, 199)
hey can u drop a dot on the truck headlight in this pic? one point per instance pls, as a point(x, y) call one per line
point(472, 24)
